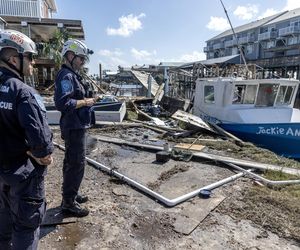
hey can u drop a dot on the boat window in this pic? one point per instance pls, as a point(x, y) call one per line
point(250, 94)
point(266, 94)
point(209, 94)
point(285, 95)
point(238, 94)
point(244, 94)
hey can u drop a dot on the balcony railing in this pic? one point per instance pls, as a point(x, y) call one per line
point(230, 43)
point(19, 8)
point(289, 31)
point(267, 35)
point(218, 46)
point(243, 40)
point(207, 49)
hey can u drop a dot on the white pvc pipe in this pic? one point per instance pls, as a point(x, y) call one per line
point(262, 179)
point(164, 200)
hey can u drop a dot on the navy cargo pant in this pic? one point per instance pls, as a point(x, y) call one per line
point(74, 162)
point(22, 207)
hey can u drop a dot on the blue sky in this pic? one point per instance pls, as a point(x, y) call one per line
point(129, 32)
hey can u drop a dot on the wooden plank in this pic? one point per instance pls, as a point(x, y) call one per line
point(193, 214)
point(226, 134)
point(128, 143)
point(186, 146)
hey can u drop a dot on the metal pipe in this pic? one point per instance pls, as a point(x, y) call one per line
point(262, 179)
point(164, 200)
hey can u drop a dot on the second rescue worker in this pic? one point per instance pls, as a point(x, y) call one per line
point(72, 100)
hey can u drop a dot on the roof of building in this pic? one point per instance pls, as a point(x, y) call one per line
point(249, 26)
point(170, 64)
point(287, 15)
point(234, 59)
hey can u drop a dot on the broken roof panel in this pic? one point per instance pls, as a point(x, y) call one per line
point(234, 59)
point(143, 79)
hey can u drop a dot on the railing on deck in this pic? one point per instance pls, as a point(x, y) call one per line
point(19, 8)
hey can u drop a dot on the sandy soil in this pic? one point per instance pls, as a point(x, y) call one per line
point(239, 215)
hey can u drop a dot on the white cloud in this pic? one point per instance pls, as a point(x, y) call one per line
point(218, 24)
point(246, 12)
point(268, 12)
point(128, 24)
point(194, 56)
point(142, 54)
point(292, 4)
point(112, 63)
point(108, 53)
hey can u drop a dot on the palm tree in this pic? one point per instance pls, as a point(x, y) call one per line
point(52, 49)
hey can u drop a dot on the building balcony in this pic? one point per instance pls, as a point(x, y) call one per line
point(218, 46)
point(230, 43)
point(288, 31)
point(251, 39)
point(27, 8)
point(243, 40)
point(207, 49)
point(19, 8)
point(267, 35)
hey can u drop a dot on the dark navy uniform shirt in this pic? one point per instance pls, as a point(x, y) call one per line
point(23, 124)
point(68, 89)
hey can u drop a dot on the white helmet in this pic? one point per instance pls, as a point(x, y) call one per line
point(76, 46)
point(17, 40)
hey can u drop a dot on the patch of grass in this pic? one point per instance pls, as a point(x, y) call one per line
point(250, 152)
point(131, 115)
point(279, 176)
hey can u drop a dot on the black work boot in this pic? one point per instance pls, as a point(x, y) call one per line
point(81, 198)
point(71, 207)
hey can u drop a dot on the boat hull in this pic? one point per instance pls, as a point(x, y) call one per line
point(281, 138)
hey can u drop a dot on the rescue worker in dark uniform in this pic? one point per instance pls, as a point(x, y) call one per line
point(75, 106)
point(25, 145)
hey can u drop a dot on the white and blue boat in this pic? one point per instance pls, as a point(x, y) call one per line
point(261, 111)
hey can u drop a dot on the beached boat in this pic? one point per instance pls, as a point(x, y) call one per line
point(108, 109)
point(258, 111)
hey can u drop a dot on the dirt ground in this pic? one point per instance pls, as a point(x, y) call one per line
point(238, 215)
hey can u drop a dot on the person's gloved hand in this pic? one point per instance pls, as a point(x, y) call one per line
point(44, 161)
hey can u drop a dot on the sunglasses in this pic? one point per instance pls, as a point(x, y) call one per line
point(29, 56)
point(82, 59)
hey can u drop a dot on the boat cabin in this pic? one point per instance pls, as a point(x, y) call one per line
point(232, 99)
